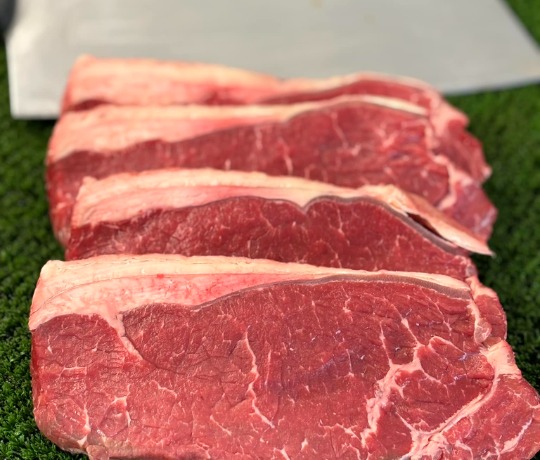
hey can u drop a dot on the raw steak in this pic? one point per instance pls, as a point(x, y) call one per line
point(148, 82)
point(348, 142)
point(208, 212)
point(165, 357)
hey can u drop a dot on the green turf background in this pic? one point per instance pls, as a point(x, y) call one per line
point(507, 122)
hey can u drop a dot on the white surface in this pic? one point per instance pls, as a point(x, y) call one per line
point(458, 46)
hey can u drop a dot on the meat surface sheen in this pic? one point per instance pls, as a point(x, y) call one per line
point(266, 360)
point(347, 143)
point(148, 82)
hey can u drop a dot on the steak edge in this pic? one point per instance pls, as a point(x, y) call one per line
point(209, 212)
point(261, 359)
point(349, 142)
point(95, 81)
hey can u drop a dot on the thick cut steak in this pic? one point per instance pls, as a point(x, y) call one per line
point(209, 212)
point(166, 357)
point(95, 81)
point(348, 142)
point(147, 82)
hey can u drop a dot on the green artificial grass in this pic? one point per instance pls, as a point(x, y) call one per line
point(507, 122)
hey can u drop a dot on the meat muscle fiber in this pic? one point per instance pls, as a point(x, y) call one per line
point(348, 142)
point(209, 212)
point(148, 82)
point(266, 360)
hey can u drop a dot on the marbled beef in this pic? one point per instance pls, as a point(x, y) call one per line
point(349, 142)
point(166, 357)
point(95, 81)
point(288, 219)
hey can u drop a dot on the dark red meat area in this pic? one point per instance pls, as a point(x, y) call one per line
point(463, 149)
point(344, 146)
point(289, 366)
point(472, 209)
point(360, 234)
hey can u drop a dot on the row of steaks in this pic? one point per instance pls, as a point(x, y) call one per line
point(269, 269)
